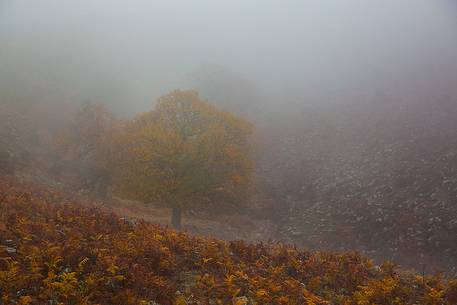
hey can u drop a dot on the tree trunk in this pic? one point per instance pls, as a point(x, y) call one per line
point(176, 218)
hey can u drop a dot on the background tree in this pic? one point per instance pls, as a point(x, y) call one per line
point(183, 154)
point(79, 147)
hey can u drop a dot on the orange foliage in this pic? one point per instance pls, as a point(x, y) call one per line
point(53, 251)
point(183, 154)
point(82, 136)
point(79, 146)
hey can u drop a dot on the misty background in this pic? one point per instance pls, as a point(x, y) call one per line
point(354, 102)
point(127, 54)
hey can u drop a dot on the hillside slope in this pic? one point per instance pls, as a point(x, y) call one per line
point(55, 251)
point(379, 178)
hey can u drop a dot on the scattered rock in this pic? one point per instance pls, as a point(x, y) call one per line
point(10, 250)
point(240, 301)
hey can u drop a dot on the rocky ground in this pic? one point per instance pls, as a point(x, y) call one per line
point(383, 183)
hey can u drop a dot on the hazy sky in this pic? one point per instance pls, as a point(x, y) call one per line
point(133, 51)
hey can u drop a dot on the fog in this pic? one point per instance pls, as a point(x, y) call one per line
point(128, 54)
point(354, 103)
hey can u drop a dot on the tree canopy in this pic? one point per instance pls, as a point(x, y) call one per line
point(81, 143)
point(182, 154)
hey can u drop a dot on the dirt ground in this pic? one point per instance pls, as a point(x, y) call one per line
point(228, 227)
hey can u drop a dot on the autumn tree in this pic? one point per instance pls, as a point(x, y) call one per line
point(79, 146)
point(185, 153)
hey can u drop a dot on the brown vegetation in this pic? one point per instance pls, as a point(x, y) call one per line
point(55, 251)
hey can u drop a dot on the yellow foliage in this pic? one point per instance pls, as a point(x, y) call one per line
point(144, 263)
point(180, 300)
point(261, 293)
point(184, 152)
point(25, 300)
